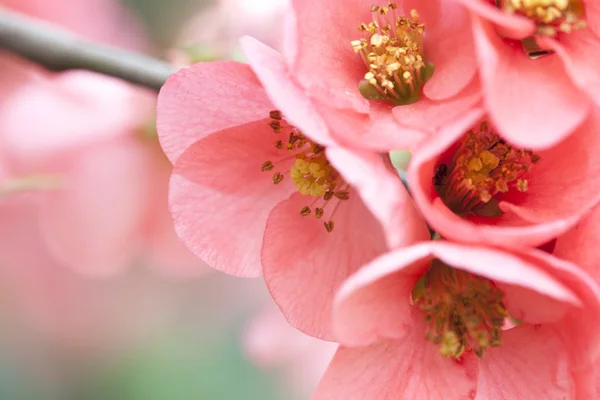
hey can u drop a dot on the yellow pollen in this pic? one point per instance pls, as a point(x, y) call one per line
point(550, 16)
point(310, 170)
point(482, 167)
point(393, 56)
point(463, 311)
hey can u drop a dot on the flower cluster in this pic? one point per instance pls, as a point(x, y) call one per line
point(469, 275)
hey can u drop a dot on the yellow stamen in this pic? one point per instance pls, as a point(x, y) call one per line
point(463, 311)
point(311, 172)
point(393, 56)
point(482, 167)
point(550, 16)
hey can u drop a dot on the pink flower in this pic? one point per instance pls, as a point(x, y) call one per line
point(98, 20)
point(107, 205)
point(251, 193)
point(472, 186)
point(429, 321)
point(376, 107)
point(272, 343)
point(214, 33)
point(537, 101)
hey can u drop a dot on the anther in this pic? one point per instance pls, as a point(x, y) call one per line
point(319, 212)
point(328, 226)
point(305, 211)
point(267, 166)
point(342, 195)
point(276, 126)
point(277, 178)
point(275, 114)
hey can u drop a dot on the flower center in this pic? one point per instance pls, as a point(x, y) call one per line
point(482, 167)
point(393, 55)
point(550, 16)
point(463, 311)
point(310, 171)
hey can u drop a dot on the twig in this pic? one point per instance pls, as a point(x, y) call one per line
point(58, 50)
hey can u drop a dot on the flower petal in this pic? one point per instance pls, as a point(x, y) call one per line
point(94, 223)
point(326, 64)
point(383, 193)
point(563, 187)
point(303, 264)
point(578, 245)
point(72, 111)
point(454, 69)
point(206, 98)
point(220, 199)
point(532, 102)
point(431, 116)
point(271, 69)
point(580, 53)
point(531, 364)
point(398, 370)
point(512, 26)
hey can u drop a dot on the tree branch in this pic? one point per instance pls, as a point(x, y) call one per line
point(58, 50)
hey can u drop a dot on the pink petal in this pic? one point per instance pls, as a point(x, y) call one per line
point(510, 229)
point(206, 98)
point(303, 264)
point(373, 302)
point(530, 364)
point(431, 116)
point(532, 102)
point(93, 223)
point(456, 68)
point(383, 193)
point(512, 26)
point(579, 327)
point(378, 131)
point(271, 69)
point(325, 62)
point(429, 10)
point(580, 53)
point(220, 199)
point(398, 370)
point(563, 187)
point(578, 245)
point(592, 12)
point(72, 111)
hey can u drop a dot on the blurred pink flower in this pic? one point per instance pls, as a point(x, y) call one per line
point(472, 186)
point(537, 101)
point(215, 31)
point(106, 21)
point(108, 208)
point(393, 322)
point(84, 139)
point(325, 66)
point(269, 195)
point(272, 343)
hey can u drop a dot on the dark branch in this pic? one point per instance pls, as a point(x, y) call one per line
point(58, 50)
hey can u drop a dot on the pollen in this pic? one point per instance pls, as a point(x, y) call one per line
point(463, 311)
point(483, 167)
point(393, 55)
point(550, 16)
point(305, 163)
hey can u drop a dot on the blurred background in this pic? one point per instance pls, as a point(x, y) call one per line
point(98, 298)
